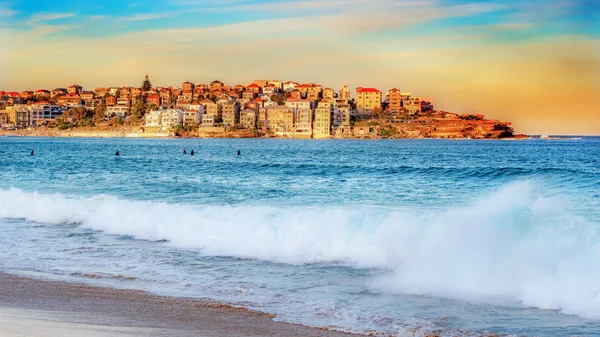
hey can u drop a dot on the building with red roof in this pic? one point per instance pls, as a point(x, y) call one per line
point(367, 100)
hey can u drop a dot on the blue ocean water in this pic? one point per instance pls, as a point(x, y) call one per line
point(402, 237)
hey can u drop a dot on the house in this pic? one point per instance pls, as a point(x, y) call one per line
point(277, 83)
point(186, 97)
point(116, 111)
point(295, 94)
point(230, 113)
point(18, 116)
point(314, 92)
point(249, 95)
point(58, 92)
point(195, 105)
point(304, 88)
point(41, 113)
point(153, 99)
point(328, 93)
point(344, 92)
point(70, 99)
point(216, 85)
point(322, 122)
point(86, 96)
point(3, 119)
point(199, 92)
point(304, 118)
point(239, 88)
point(269, 89)
point(113, 91)
point(248, 119)
point(27, 94)
point(367, 100)
point(41, 94)
point(209, 120)
point(412, 105)
point(289, 85)
point(192, 117)
point(298, 104)
point(92, 104)
point(255, 88)
point(111, 100)
point(211, 108)
point(280, 120)
point(260, 83)
point(171, 118)
point(74, 89)
point(136, 92)
point(123, 100)
point(187, 86)
point(175, 92)
point(267, 101)
point(153, 119)
point(341, 119)
point(225, 98)
point(101, 92)
point(394, 100)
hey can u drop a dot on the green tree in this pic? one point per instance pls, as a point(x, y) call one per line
point(99, 113)
point(139, 109)
point(146, 85)
point(277, 99)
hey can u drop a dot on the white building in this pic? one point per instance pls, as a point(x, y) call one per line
point(298, 104)
point(153, 119)
point(208, 120)
point(192, 117)
point(116, 111)
point(171, 118)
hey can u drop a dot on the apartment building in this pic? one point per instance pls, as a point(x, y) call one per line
point(367, 99)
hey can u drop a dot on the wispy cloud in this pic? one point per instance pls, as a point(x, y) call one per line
point(148, 16)
point(7, 12)
point(43, 17)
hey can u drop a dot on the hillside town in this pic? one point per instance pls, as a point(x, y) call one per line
point(263, 108)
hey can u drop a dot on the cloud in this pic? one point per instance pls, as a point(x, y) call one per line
point(531, 82)
point(42, 17)
point(7, 12)
point(512, 26)
point(147, 16)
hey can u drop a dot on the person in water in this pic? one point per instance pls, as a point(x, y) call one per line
point(192, 153)
point(32, 152)
point(117, 153)
point(239, 153)
point(184, 151)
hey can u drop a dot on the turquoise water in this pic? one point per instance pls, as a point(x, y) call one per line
point(402, 237)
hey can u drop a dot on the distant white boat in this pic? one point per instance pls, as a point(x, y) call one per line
point(544, 137)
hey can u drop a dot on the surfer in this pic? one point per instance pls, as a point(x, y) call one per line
point(32, 152)
point(184, 151)
point(239, 153)
point(192, 153)
point(117, 153)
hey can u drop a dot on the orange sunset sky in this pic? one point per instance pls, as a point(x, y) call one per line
point(534, 63)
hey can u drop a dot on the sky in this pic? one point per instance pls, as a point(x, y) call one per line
point(534, 63)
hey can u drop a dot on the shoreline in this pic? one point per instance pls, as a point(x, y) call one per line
point(132, 135)
point(29, 306)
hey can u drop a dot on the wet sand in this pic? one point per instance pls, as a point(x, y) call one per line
point(37, 308)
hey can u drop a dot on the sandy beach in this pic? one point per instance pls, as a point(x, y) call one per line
point(37, 308)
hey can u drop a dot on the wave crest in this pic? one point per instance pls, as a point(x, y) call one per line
point(508, 247)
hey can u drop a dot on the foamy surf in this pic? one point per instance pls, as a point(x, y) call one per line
point(511, 247)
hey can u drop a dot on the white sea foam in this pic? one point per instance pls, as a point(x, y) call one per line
point(509, 247)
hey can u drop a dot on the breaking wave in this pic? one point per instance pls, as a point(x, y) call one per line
point(509, 247)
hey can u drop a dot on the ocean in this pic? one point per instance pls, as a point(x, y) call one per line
point(406, 237)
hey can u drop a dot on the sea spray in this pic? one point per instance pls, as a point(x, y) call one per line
point(509, 247)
